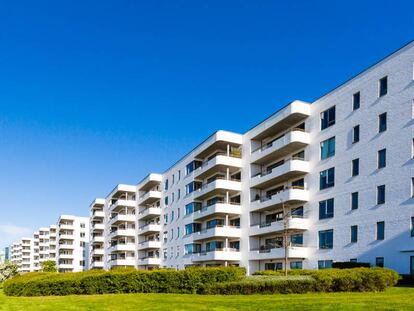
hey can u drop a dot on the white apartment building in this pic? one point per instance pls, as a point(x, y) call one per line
point(72, 243)
point(97, 237)
point(315, 183)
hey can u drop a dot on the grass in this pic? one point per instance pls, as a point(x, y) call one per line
point(397, 298)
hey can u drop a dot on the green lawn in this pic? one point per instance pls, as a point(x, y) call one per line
point(398, 298)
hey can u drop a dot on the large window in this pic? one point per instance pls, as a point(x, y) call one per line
point(326, 209)
point(192, 207)
point(326, 239)
point(355, 167)
point(192, 248)
point(354, 234)
point(328, 118)
point(295, 265)
point(327, 178)
point(381, 194)
point(328, 148)
point(382, 158)
point(354, 200)
point(192, 186)
point(383, 86)
point(382, 122)
point(380, 230)
point(296, 239)
point(356, 101)
point(193, 165)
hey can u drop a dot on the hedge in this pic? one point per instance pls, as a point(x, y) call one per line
point(350, 264)
point(263, 285)
point(346, 280)
point(191, 280)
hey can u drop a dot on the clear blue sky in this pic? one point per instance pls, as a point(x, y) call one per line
point(95, 93)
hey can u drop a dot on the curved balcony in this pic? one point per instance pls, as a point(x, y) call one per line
point(218, 164)
point(122, 203)
point(122, 233)
point(290, 169)
point(129, 261)
point(290, 142)
point(279, 253)
point(218, 186)
point(149, 182)
point(218, 231)
point(219, 254)
point(149, 213)
point(294, 223)
point(289, 195)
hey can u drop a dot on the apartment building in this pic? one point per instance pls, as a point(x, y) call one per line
point(97, 237)
point(72, 243)
point(314, 183)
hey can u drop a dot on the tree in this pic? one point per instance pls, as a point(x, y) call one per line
point(49, 266)
point(7, 271)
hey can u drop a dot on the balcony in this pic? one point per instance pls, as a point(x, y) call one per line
point(98, 214)
point(149, 261)
point(218, 164)
point(98, 227)
point(122, 218)
point(122, 233)
point(66, 266)
point(66, 237)
point(149, 228)
point(66, 246)
point(97, 265)
point(218, 208)
point(128, 261)
point(98, 239)
point(98, 251)
point(149, 182)
point(289, 143)
point(220, 140)
point(288, 170)
point(149, 213)
point(66, 256)
point(129, 247)
point(290, 195)
point(224, 231)
point(299, 252)
point(150, 197)
point(66, 226)
point(217, 186)
point(224, 254)
point(287, 117)
point(122, 203)
point(295, 223)
point(149, 245)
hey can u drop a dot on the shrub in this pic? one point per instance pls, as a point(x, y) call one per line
point(263, 285)
point(48, 266)
point(7, 271)
point(350, 265)
point(120, 281)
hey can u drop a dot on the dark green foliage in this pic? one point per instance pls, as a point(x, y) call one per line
point(119, 281)
point(48, 266)
point(350, 265)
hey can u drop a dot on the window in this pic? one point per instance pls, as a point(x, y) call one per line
point(379, 262)
point(166, 201)
point(172, 215)
point(166, 185)
point(380, 230)
point(355, 167)
point(412, 187)
point(178, 194)
point(353, 260)
point(412, 226)
point(328, 148)
point(327, 178)
point(326, 239)
point(412, 148)
point(355, 134)
point(382, 122)
point(328, 118)
point(325, 264)
point(326, 209)
point(173, 179)
point(381, 194)
point(178, 232)
point(273, 266)
point(296, 239)
point(179, 174)
point(383, 86)
point(356, 101)
point(354, 200)
point(295, 265)
point(354, 234)
point(193, 165)
point(382, 158)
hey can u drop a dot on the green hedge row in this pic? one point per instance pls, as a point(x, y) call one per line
point(345, 280)
point(263, 285)
point(191, 280)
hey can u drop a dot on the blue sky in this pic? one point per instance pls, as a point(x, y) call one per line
point(95, 93)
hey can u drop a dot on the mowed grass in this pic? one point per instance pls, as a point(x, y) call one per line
point(397, 298)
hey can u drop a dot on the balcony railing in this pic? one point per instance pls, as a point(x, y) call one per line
point(276, 141)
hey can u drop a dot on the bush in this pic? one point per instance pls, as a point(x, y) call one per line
point(7, 271)
point(48, 266)
point(350, 265)
point(191, 280)
point(263, 285)
point(346, 280)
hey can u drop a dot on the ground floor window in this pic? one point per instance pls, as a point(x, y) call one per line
point(379, 262)
point(296, 265)
point(324, 264)
point(273, 266)
point(412, 265)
